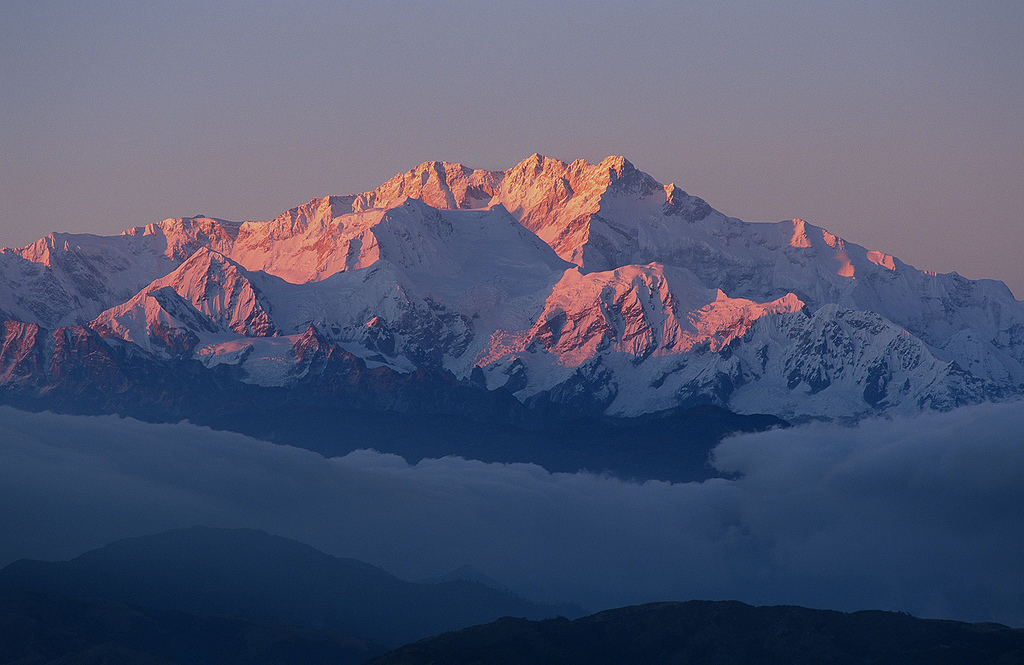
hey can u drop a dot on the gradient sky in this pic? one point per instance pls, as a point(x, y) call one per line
point(897, 126)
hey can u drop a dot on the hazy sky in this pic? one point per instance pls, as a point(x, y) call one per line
point(899, 126)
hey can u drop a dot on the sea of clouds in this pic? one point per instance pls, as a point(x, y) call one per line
point(924, 515)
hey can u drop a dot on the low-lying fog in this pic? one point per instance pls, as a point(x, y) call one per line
point(924, 515)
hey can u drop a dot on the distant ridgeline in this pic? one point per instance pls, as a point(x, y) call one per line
point(203, 595)
point(539, 296)
point(709, 633)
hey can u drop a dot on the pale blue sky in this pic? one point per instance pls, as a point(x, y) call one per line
point(900, 128)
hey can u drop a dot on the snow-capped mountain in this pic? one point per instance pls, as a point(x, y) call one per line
point(586, 285)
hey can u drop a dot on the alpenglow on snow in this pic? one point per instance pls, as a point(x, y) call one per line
point(588, 285)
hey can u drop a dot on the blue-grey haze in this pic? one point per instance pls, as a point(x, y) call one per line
point(921, 515)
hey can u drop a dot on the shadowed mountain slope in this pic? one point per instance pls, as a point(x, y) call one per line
point(251, 574)
point(38, 627)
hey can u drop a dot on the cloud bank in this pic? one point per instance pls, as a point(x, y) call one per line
point(923, 515)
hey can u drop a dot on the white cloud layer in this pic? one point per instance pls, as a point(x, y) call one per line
point(924, 515)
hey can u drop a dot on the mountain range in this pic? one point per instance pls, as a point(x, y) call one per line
point(588, 289)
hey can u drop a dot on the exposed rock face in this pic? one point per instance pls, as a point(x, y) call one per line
point(23, 354)
point(589, 284)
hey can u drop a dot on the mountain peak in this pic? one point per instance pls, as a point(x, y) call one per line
point(439, 184)
point(617, 164)
point(625, 178)
point(208, 293)
point(538, 164)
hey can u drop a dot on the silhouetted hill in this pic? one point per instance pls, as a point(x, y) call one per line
point(251, 574)
point(38, 627)
point(719, 633)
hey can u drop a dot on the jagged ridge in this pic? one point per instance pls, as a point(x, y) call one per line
point(560, 282)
